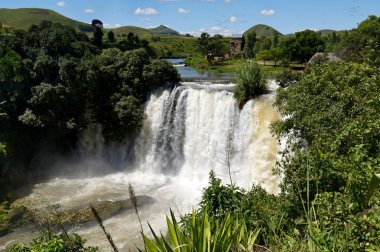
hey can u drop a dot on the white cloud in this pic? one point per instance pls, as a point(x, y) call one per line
point(227, 1)
point(216, 30)
point(110, 26)
point(147, 11)
point(183, 11)
point(61, 4)
point(88, 10)
point(267, 12)
point(234, 19)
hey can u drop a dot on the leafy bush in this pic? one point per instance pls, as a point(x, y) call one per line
point(286, 78)
point(334, 111)
point(255, 208)
point(250, 81)
point(54, 242)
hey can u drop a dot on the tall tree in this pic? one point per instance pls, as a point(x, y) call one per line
point(212, 46)
point(250, 41)
point(302, 46)
point(111, 37)
point(98, 32)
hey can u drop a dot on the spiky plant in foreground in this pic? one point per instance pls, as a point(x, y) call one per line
point(203, 234)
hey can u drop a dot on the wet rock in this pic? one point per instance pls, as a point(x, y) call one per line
point(57, 214)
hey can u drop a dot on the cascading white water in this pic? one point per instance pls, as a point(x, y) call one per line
point(189, 131)
point(197, 128)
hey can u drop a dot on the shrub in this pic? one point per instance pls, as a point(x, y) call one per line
point(250, 82)
point(286, 78)
point(55, 242)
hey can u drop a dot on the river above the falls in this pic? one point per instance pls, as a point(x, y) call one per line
point(189, 73)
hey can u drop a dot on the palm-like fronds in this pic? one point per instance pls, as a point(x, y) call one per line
point(202, 234)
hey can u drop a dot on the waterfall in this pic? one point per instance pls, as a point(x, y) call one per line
point(198, 127)
point(188, 131)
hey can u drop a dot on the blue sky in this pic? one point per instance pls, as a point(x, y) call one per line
point(214, 16)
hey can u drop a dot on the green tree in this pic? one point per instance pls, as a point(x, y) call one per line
point(111, 37)
point(212, 46)
point(250, 41)
point(274, 54)
point(302, 46)
point(262, 43)
point(98, 32)
point(332, 123)
point(362, 44)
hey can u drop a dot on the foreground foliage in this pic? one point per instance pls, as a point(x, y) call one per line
point(203, 233)
point(54, 242)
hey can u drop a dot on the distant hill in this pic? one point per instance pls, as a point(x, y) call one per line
point(262, 30)
point(163, 30)
point(23, 18)
point(141, 32)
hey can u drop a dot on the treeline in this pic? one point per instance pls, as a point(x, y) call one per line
point(354, 45)
point(55, 81)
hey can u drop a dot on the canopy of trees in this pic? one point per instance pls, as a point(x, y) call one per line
point(215, 46)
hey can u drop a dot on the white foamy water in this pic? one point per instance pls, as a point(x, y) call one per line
point(189, 131)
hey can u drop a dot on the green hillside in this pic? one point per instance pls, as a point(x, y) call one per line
point(262, 30)
point(160, 31)
point(141, 32)
point(23, 18)
point(163, 30)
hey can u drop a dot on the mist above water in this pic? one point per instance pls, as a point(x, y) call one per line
point(188, 131)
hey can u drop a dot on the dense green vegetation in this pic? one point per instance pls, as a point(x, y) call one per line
point(250, 82)
point(212, 46)
point(54, 82)
point(49, 241)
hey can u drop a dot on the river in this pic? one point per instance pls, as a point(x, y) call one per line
point(188, 73)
